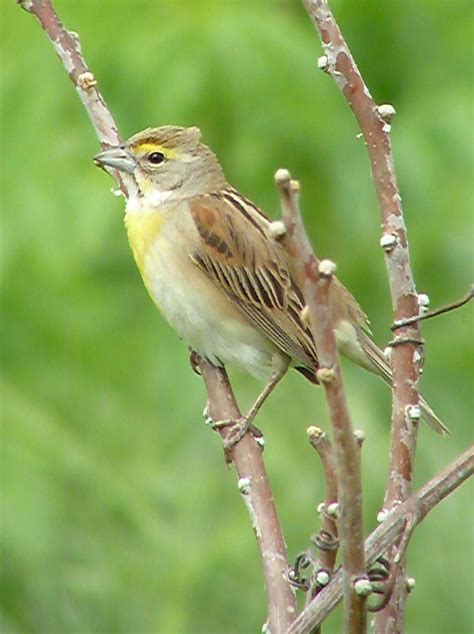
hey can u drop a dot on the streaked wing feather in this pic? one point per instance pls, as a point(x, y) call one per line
point(251, 270)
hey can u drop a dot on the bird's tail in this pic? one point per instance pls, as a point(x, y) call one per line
point(432, 419)
point(379, 365)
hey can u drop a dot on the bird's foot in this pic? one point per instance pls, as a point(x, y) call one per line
point(194, 361)
point(237, 430)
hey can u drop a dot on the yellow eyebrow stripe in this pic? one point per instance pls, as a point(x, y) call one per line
point(155, 147)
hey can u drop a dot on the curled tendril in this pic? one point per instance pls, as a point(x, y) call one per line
point(295, 576)
point(399, 341)
point(325, 540)
point(381, 578)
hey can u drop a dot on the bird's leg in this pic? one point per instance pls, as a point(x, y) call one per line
point(240, 427)
point(280, 365)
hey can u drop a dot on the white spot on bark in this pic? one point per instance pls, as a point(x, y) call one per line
point(323, 62)
point(395, 220)
point(386, 111)
point(388, 241)
point(253, 516)
point(276, 230)
point(327, 268)
point(244, 485)
point(423, 302)
point(411, 583)
point(414, 412)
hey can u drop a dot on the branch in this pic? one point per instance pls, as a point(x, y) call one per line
point(315, 279)
point(68, 47)
point(374, 122)
point(389, 532)
point(437, 311)
point(326, 540)
point(255, 489)
point(247, 456)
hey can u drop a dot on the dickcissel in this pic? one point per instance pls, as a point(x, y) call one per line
point(210, 266)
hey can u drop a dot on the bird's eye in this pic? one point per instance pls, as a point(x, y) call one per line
point(156, 158)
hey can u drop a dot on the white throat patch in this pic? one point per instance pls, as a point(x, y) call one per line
point(139, 202)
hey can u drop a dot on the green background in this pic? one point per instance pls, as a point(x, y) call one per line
point(118, 513)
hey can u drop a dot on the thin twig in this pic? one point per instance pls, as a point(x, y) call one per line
point(374, 122)
point(247, 455)
point(327, 539)
point(435, 312)
point(315, 280)
point(394, 568)
point(68, 47)
point(388, 533)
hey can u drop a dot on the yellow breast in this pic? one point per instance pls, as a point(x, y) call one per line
point(143, 230)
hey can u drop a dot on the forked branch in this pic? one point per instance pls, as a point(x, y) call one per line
point(388, 533)
point(326, 540)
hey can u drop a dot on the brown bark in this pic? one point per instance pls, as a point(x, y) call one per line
point(315, 279)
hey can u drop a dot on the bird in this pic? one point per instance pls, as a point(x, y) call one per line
point(210, 265)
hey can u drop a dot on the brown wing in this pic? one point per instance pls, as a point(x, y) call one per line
point(251, 270)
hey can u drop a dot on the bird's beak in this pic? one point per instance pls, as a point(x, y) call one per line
point(117, 158)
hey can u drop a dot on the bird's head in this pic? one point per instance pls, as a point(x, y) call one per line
point(165, 163)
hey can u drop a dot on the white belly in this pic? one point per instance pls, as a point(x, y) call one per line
point(201, 314)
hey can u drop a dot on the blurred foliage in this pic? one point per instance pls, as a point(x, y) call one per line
point(118, 514)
